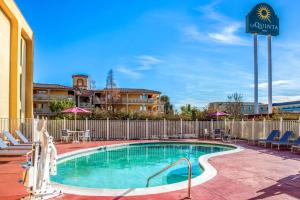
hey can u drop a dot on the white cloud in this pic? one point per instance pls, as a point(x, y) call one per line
point(129, 72)
point(228, 35)
point(192, 33)
point(264, 85)
point(286, 98)
point(146, 62)
point(229, 28)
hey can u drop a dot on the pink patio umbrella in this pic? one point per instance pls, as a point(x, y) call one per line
point(76, 110)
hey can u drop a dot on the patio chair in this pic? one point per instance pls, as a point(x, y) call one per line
point(206, 134)
point(65, 135)
point(227, 137)
point(217, 134)
point(22, 137)
point(271, 137)
point(295, 144)
point(4, 146)
point(284, 140)
point(86, 136)
point(13, 141)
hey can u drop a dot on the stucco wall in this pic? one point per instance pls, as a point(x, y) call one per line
point(4, 65)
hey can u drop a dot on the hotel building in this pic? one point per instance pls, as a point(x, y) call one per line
point(16, 63)
point(247, 108)
point(119, 99)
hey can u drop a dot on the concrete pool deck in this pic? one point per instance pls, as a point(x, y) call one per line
point(255, 173)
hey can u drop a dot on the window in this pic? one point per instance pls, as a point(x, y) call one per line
point(79, 82)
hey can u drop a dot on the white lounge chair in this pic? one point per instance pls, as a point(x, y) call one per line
point(22, 137)
point(13, 152)
point(13, 140)
point(4, 146)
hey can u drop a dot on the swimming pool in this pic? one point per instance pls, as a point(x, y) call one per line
point(129, 166)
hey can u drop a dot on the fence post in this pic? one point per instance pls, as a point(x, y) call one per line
point(299, 126)
point(181, 128)
point(264, 127)
point(128, 138)
point(107, 129)
point(147, 131)
point(253, 140)
point(165, 130)
point(242, 129)
point(65, 123)
point(197, 129)
point(86, 124)
point(281, 125)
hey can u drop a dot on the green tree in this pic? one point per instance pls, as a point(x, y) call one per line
point(58, 106)
point(168, 107)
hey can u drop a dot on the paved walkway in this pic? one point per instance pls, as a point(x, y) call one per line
point(255, 173)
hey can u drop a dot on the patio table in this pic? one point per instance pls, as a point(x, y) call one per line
point(75, 135)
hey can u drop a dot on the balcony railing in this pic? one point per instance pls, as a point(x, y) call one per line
point(37, 97)
point(125, 101)
point(39, 111)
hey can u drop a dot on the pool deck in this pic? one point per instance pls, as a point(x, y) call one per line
point(255, 173)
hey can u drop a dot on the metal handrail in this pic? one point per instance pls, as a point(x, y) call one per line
point(172, 165)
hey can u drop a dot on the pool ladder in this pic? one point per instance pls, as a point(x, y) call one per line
point(172, 165)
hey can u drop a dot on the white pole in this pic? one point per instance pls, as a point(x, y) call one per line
point(165, 128)
point(281, 125)
point(147, 131)
point(65, 124)
point(128, 129)
point(211, 125)
point(255, 75)
point(242, 129)
point(299, 127)
point(225, 124)
point(107, 129)
point(197, 128)
point(181, 128)
point(270, 74)
point(253, 130)
point(86, 124)
point(264, 127)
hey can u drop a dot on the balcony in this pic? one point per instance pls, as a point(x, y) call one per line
point(98, 100)
point(42, 111)
point(43, 97)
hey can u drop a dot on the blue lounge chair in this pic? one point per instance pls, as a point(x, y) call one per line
point(284, 140)
point(295, 145)
point(13, 140)
point(4, 146)
point(271, 137)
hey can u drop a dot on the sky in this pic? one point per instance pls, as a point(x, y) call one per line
point(194, 51)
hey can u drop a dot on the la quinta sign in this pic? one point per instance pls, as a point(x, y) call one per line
point(262, 20)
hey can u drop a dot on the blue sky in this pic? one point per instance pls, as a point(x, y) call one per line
point(193, 51)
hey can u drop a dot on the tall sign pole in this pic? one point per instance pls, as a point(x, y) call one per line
point(269, 74)
point(262, 20)
point(255, 74)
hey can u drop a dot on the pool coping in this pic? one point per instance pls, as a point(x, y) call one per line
point(208, 173)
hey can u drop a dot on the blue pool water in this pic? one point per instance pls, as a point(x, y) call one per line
point(129, 166)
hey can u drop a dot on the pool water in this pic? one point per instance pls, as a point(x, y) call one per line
point(129, 166)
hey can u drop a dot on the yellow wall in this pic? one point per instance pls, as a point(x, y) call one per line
point(18, 28)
